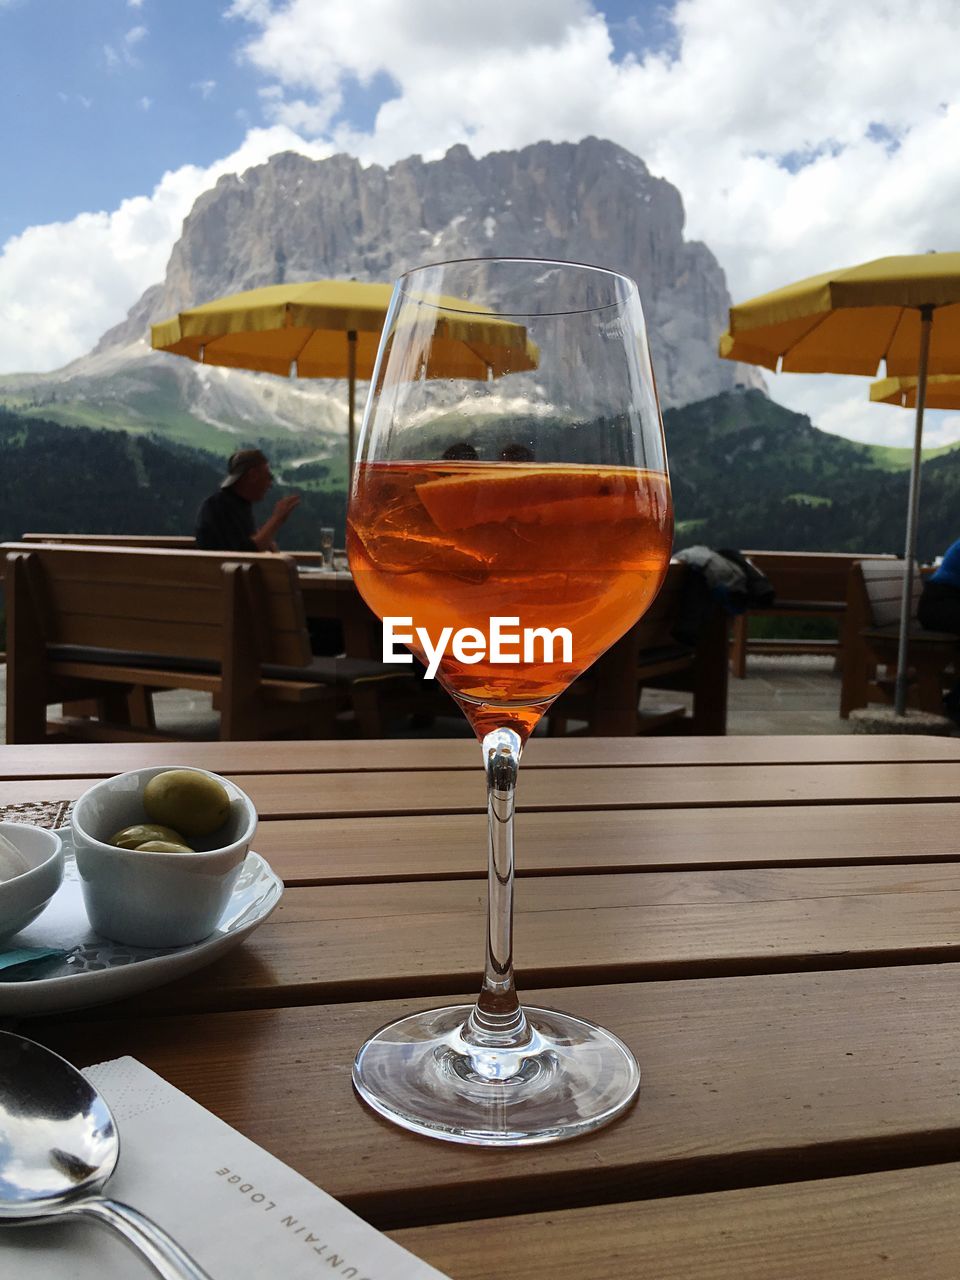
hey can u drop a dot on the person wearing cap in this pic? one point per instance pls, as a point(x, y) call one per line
point(225, 520)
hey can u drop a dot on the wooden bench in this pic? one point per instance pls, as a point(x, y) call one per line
point(147, 541)
point(871, 640)
point(609, 696)
point(151, 541)
point(808, 584)
point(114, 624)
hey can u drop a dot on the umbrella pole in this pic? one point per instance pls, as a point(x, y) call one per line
point(352, 393)
point(913, 507)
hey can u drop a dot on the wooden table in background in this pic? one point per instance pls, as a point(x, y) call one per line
point(333, 594)
point(772, 924)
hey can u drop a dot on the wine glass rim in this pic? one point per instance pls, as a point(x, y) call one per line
point(541, 262)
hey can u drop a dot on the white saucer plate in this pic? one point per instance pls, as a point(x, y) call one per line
point(94, 970)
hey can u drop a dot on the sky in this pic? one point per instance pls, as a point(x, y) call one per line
point(801, 137)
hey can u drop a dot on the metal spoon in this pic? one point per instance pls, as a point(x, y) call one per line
point(59, 1146)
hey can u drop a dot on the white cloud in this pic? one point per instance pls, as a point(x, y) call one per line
point(312, 46)
point(251, 10)
point(82, 276)
point(842, 405)
point(204, 87)
point(145, 103)
point(309, 118)
point(942, 428)
point(132, 38)
point(801, 137)
point(125, 54)
point(134, 4)
point(752, 84)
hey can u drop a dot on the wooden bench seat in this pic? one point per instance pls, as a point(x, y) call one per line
point(808, 584)
point(871, 642)
point(608, 698)
point(112, 624)
point(145, 541)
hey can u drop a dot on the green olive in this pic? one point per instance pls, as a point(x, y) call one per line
point(133, 837)
point(163, 846)
point(187, 801)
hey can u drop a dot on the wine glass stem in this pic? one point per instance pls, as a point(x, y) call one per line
point(497, 1019)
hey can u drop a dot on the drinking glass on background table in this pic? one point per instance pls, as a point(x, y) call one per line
point(326, 546)
point(535, 492)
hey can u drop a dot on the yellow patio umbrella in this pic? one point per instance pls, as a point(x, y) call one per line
point(902, 311)
point(943, 392)
point(331, 329)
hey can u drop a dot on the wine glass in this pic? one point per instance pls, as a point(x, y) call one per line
point(511, 485)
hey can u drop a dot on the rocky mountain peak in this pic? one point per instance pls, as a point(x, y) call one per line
point(299, 219)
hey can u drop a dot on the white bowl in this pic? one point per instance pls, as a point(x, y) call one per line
point(24, 897)
point(147, 899)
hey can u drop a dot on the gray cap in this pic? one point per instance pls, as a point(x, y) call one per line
point(240, 463)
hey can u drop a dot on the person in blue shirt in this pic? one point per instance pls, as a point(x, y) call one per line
point(939, 610)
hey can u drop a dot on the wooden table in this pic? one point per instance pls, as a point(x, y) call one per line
point(772, 924)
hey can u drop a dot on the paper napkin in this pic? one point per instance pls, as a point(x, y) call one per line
point(27, 955)
point(239, 1211)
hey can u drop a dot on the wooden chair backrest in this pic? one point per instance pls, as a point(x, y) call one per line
point(654, 629)
point(608, 694)
point(171, 542)
point(883, 586)
point(168, 603)
point(809, 575)
point(650, 633)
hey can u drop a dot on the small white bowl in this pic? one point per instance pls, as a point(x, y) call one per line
point(147, 899)
point(24, 897)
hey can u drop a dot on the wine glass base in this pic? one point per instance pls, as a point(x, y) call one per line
point(569, 1078)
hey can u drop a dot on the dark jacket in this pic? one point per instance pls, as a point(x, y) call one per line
point(225, 523)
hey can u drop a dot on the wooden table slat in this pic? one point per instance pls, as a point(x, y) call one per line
point(879, 1224)
point(712, 786)
point(354, 942)
point(449, 846)
point(90, 760)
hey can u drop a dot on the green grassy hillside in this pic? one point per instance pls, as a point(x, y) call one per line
point(58, 479)
point(891, 459)
point(745, 472)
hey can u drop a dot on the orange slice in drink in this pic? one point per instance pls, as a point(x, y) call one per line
point(532, 495)
point(393, 552)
